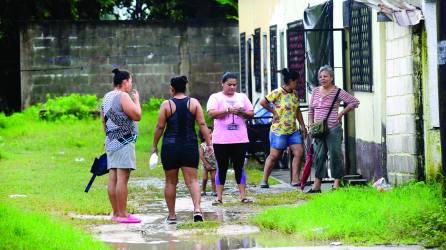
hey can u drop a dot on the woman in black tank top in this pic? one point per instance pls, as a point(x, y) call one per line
point(179, 149)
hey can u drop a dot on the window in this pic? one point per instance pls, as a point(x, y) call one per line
point(273, 55)
point(257, 58)
point(296, 55)
point(360, 48)
point(242, 62)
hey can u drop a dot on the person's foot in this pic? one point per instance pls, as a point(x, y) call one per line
point(129, 219)
point(198, 216)
point(203, 193)
point(217, 203)
point(172, 220)
point(313, 191)
point(295, 184)
point(246, 200)
point(264, 184)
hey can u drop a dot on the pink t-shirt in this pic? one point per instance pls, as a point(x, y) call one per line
point(232, 128)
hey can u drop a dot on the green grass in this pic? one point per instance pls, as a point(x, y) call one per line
point(408, 214)
point(27, 230)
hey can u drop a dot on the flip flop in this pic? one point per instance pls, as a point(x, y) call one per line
point(297, 184)
point(217, 203)
point(129, 219)
point(171, 221)
point(246, 200)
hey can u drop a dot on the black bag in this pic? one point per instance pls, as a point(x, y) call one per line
point(98, 168)
point(320, 129)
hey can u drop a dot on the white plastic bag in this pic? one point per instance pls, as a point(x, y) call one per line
point(153, 161)
point(381, 185)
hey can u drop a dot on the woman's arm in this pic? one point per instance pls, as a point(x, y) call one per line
point(311, 112)
point(199, 117)
point(265, 103)
point(352, 103)
point(131, 108)
point(218, 114)
point(300, 119)
point(159, 129)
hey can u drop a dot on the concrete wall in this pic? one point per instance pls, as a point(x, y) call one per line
point(401, 113)
point(65, 57)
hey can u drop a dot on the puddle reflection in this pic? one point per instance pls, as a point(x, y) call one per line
point(224, 243)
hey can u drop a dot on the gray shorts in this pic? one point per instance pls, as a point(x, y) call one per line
point(123, 158)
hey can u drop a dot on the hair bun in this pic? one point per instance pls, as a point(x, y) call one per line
point(115, 71)
point(284, 71)
point(184, 78)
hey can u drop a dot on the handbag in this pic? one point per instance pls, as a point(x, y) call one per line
point(98, 168)
point(320, 129)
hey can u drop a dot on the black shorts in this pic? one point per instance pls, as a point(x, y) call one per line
point(175, 156)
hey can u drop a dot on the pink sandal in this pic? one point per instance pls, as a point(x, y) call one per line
point(129, 219)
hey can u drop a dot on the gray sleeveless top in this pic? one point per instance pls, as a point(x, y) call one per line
point(120, 130)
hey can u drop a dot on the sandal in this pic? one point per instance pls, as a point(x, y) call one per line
point(246, 200)
point(313, 191)
point(297, 184)
point(198, 217)
point(217, 203)
point(171, 221)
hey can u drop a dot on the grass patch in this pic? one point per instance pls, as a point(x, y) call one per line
point(404, 215)
point(279, 199)
point(27, 230)
point(208, 225)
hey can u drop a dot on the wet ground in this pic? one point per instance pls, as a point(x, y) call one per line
point(234, 231)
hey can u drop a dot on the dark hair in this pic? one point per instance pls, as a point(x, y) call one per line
point(200, 135)
point(289, 75)
point(228, 75)
point(120, 75)
point(178, 83)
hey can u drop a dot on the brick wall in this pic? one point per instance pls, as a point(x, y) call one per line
point(400, 111)
point(64, 57)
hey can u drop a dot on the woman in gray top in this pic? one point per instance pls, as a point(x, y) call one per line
point(119, 115)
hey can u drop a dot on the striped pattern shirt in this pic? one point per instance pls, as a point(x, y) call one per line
point(320, 105)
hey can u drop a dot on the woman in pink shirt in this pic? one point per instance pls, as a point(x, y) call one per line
point(229, 110)
point(320, 103)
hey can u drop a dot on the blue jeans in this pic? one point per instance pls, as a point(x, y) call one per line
point(280, 142)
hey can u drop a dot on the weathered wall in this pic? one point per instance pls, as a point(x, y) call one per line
point(65, 57)
point(402, 151)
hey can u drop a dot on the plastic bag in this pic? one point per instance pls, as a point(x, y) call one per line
point(381, 185)
point(153, 161)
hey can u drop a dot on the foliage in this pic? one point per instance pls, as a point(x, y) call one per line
point(153, 104)
point(74, 106)
point(27, 230)
point(409, 214)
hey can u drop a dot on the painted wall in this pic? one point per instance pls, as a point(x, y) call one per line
point(65, 57)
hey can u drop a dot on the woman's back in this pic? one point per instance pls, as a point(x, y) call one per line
point(181, 124)
point(119, 128)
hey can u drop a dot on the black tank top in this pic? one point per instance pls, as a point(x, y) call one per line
point(180, 125)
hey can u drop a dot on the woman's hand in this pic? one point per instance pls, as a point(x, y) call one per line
point(304, 132)
point(154, 150)
point(208, 167)
point(275, 117)
point(135, 94)
point(339, 118)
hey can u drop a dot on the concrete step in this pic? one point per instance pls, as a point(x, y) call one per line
point(354, 182)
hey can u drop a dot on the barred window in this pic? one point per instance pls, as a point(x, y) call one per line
point(273, 55)
point(361, 48)
point(243, 62)
point(296, 55)
point(257, 63)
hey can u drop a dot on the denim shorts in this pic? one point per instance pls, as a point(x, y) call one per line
point(279, 141)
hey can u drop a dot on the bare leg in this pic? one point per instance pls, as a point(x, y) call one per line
point(170, 190)
point(298, 152)
point(112, 191)
point(270, 162)
point(122, 191)
point(204, 180)
point(220, 192)
point(317, 184)
point(213, 180)
point(242, 190)
point(190, 178)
